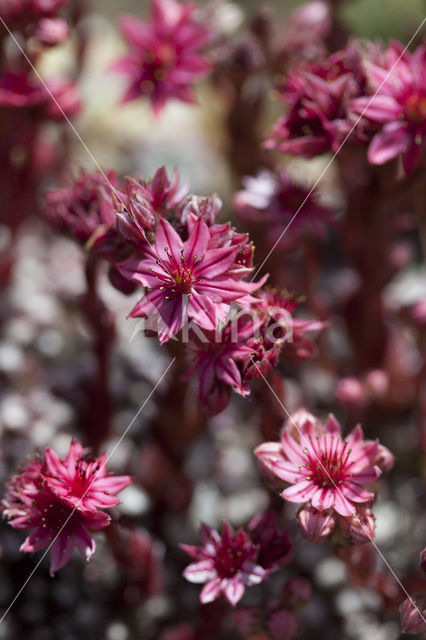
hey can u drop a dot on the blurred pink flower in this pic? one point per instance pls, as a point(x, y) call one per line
point(226, 563)
point(323, 469)
point(272, 200)
point(84, 209)
point(61, 501)
point(23, 12)
point(399, 107)
point(317, 95)
point(165, 56)
point(52, 31)
point(281, 336)
point(17, 90)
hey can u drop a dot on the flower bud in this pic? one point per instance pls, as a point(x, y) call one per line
point(315, 525)
point(377, 383)
point(350, 393)
point(358, 528)
point(413, 614)
point(51, 31)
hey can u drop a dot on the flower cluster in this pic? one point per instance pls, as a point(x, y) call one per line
point(37, 16)
point(248, 346)
point(396, 105)
point(232, 560)
point(194, 279)
point(326, 474)
point(62, 501)
point(376, 95)
point(165, 57)
point(317, 96)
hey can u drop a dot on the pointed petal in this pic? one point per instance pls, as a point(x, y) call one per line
point(211, 590)
point(234, 591)
point(392, 140)
point(300, 492)
point(200, 572)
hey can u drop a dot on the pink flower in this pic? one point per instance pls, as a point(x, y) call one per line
point(322, 468)
point(61, 500)
point(220, 359)
point(20, 91)
point(226, 563)
point(399, 107)
point(22, 12)
point(317, 96)
point(273, 200)
point(165, 56)
point(62, 99)
point(188, 279)
point(306, 27)
point(146, 201)
point(84, 208)
point(282, 336)
point(82, 482)
point(52, 31)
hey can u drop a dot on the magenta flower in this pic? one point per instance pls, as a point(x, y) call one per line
point(322, 468)
point(146, 201)
point(282, 336)
point(17, 90)
point(273, 200)
point(165, 56)
point(226, 563)
point(61, 500)
point(187, 280)
point(317, 96)
point(56, 98)
point(399, 107)
point(220, 361)
point(82, 482)
point(19, 13)
point(84, 209)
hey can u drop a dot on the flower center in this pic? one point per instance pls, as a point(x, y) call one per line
point(55, 515)
point(228, 560)
point(156, 65)
point(331, 466)
point(415, 108)
point(82, 478)
point(179, 277)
